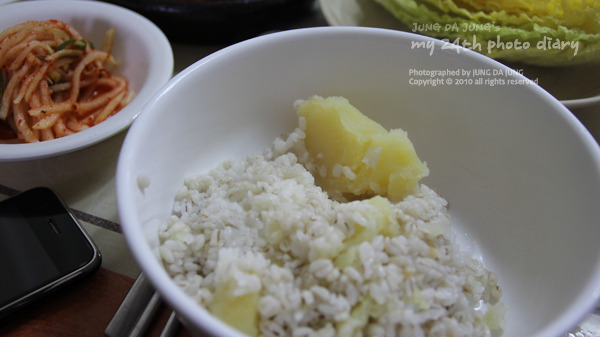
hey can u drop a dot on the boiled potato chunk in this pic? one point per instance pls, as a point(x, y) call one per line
point(240, 312)
point(382, 222)
point(354, 155)
point(382, 216)
point(359, 317)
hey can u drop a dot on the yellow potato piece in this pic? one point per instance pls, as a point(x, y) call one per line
point(384, 220)
point(359, 317)
point(354, 155)
point(240, 312)
point(383, 223)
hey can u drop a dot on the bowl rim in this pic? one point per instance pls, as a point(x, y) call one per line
point(159, 46)
point(126, 186)
point(585, 102)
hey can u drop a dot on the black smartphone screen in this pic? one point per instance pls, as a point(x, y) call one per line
point(40, 244)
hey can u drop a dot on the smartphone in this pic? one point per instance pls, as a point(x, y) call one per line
point(42, 248)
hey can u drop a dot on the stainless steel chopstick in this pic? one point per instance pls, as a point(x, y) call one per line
point(129, 311)
point(145, 319)
point(172, 327)
point(134, 315)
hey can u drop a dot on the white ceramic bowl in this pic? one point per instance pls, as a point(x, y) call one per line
point(144, 54)
point(521, 174)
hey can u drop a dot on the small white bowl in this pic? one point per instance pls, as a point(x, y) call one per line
point(520, 172)
point(144, 54)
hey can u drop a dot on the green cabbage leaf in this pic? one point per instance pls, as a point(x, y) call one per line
point(539, 32)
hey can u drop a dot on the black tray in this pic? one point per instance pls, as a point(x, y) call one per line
point(218, 21)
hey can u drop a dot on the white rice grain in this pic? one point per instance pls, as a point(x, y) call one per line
point(262, 224)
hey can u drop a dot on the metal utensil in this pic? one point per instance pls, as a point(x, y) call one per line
point(135, 313)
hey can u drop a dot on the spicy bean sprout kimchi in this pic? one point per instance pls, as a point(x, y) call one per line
point(53, 82)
